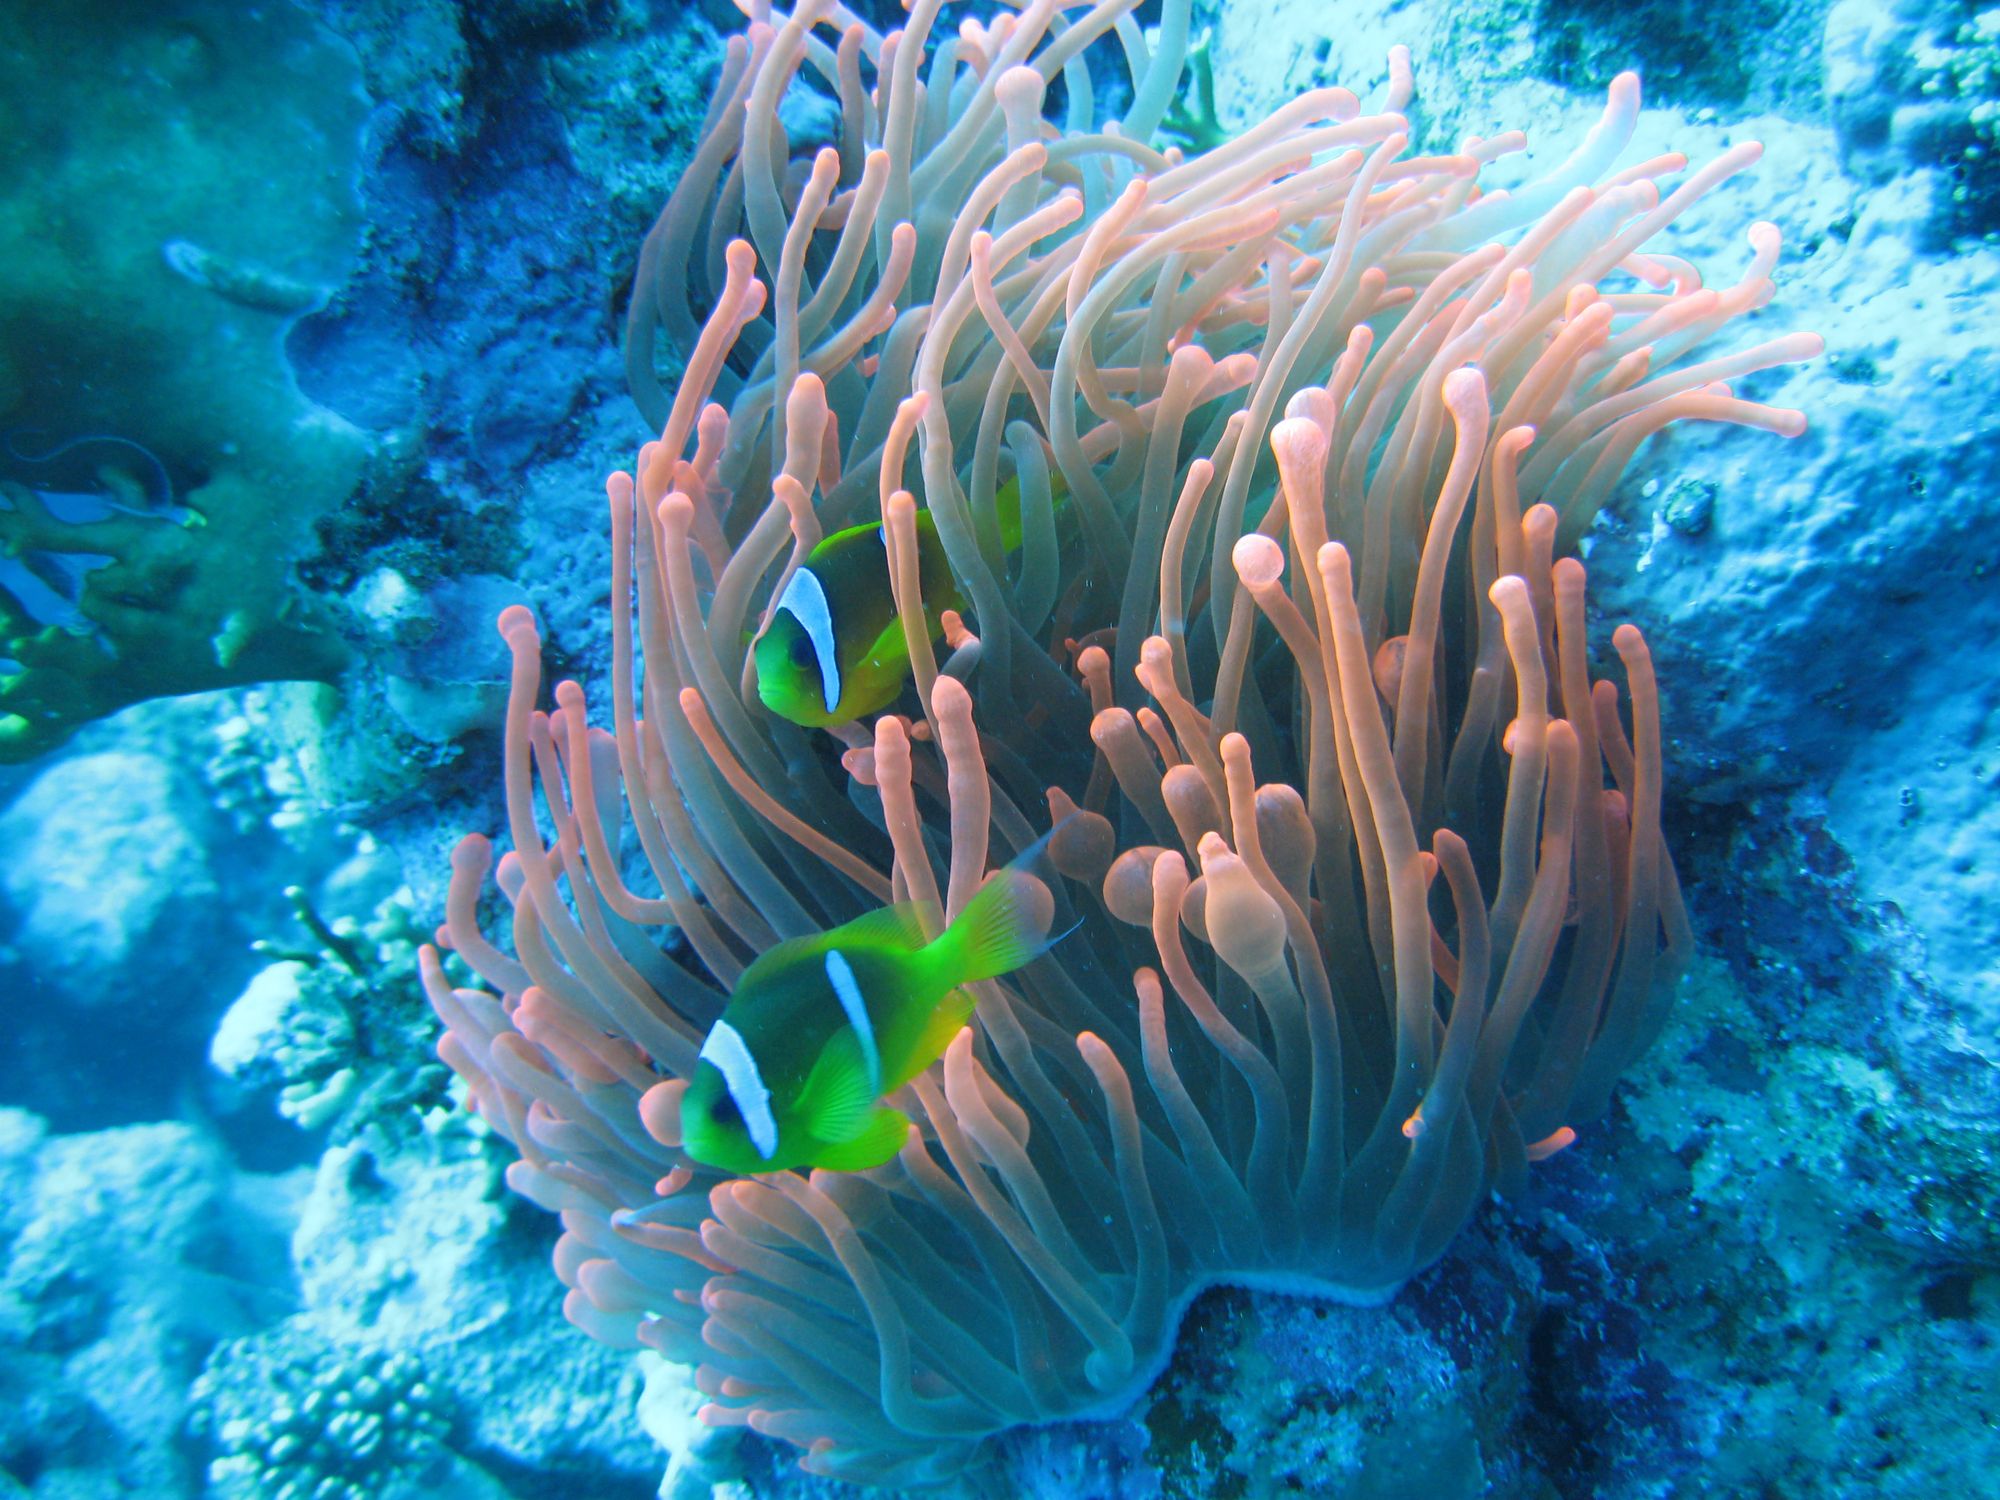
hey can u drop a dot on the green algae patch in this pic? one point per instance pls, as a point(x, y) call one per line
point(180, 188)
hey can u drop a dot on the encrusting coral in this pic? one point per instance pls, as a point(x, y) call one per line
point(287, 1421)
point(1374, 902)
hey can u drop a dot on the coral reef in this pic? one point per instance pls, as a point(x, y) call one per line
point(115, 895)
point(335, 1028)
point(289, 1427)
point(123, 1254)
point(1767, 1268)
point(183, 192)
point(419, 1252)
point(87, 917)
point(1292, 1398)
point(1915, 91)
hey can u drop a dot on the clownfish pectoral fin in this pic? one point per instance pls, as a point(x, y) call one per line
point(880, 1137)
point(889, 653)
point(838, 1092)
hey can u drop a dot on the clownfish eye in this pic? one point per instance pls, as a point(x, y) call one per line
point(801, 652)
point(724, 1111)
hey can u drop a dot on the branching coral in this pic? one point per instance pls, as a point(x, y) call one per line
point(1374, 900)
point(331, 1025)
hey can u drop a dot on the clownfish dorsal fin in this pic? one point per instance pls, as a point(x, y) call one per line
point(836, 1099)
point(898, 926)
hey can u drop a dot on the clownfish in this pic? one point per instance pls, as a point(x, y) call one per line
point(819, 1028)
point(834, 647)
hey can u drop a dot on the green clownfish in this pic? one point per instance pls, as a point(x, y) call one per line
point(819, 1028)
point(834, 648)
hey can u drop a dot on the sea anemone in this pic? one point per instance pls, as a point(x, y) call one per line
point(1374, 904)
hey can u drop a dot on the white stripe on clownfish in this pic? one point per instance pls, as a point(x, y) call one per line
point(805, 598)
point(731, 1055)
point(841, 976)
